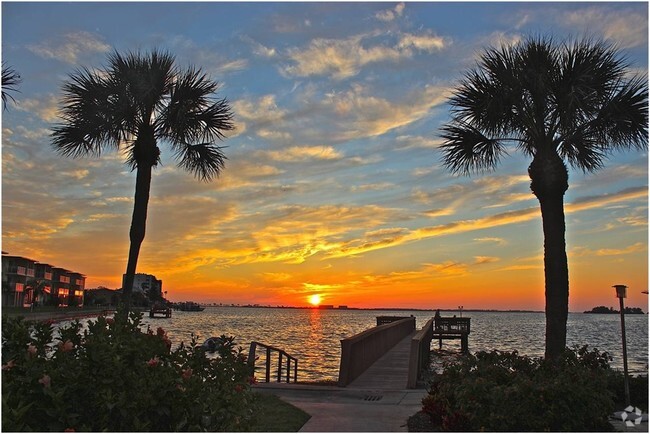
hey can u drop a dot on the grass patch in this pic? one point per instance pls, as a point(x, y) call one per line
point(275, 415)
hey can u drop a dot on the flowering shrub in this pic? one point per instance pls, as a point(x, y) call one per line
point(502, 391)
point(116, 377)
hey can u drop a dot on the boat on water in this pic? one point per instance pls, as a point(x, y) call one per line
point(189, 306)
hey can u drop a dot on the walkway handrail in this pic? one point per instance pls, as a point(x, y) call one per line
point(281, 353)
point(419, 356)
point(363, 349)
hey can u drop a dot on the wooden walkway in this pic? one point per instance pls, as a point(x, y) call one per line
point(389, 372)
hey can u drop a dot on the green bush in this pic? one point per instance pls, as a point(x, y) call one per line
point(638, 390)
point(116, 377)
point(502, 391)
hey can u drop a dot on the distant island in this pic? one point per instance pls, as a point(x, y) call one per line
point(603, 309)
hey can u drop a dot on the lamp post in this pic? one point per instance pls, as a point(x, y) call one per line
point(621, 294)
point(461, 311)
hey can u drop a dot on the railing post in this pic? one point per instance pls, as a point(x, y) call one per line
point(295, 371)
point(251, 354)
point(279, 367)
point(288, 369)
point(268, 365)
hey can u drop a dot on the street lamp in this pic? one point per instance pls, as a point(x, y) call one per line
point(621, 292)
point(461, 311)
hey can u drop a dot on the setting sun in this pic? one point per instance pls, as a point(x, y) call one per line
point(314, 299)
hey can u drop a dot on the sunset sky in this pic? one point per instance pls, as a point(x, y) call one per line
point(333, 184)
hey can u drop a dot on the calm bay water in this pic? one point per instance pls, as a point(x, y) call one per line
point(313, 336)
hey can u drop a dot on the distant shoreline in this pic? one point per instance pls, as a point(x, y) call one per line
point(374, 308)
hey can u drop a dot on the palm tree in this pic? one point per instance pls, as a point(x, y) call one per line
point(10, 80)
point(137, 101)
point(37, 287)
point(571, 102)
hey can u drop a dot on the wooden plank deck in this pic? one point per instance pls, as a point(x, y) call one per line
point(389, 372)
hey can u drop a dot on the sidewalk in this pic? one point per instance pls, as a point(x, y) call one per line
point(336, 409)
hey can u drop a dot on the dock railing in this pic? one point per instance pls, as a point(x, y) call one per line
point(419, 356)
point(282, 355)
point(363, 349)
point(447, 324)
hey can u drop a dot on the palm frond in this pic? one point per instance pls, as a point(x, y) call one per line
point(192, 114)
point(622, 122)
point(467, 150)
point(583, 151)
point(89, 120)
point(143, 80)
point(204, 160)
point(10, 81)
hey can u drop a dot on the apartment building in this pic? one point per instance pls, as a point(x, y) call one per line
point(26, 280)
point(146, 284)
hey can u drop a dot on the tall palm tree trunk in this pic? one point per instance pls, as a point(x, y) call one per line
point(138, 228)
point(549, 178)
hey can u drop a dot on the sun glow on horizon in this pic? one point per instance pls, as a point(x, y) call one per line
point(314, 299)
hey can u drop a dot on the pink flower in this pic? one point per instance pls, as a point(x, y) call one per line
point(187, 373)
point(10, 364)
point(153, 362)
point(66, 346)
point(45, 381)
point(110, 321)
point(31, 350)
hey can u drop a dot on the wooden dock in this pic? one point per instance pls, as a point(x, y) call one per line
point(401, 365)
point(164, 312)
point(390, 371)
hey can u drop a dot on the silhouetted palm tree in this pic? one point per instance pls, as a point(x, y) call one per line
point(131, 105)
point(10, 81)
point(37, 287)
point(555, 102)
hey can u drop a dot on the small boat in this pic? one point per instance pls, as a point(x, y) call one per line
point(189, 306)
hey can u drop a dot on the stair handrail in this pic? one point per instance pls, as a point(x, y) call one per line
point(282, 354)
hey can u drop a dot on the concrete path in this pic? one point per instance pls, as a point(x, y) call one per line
point(337, 409)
